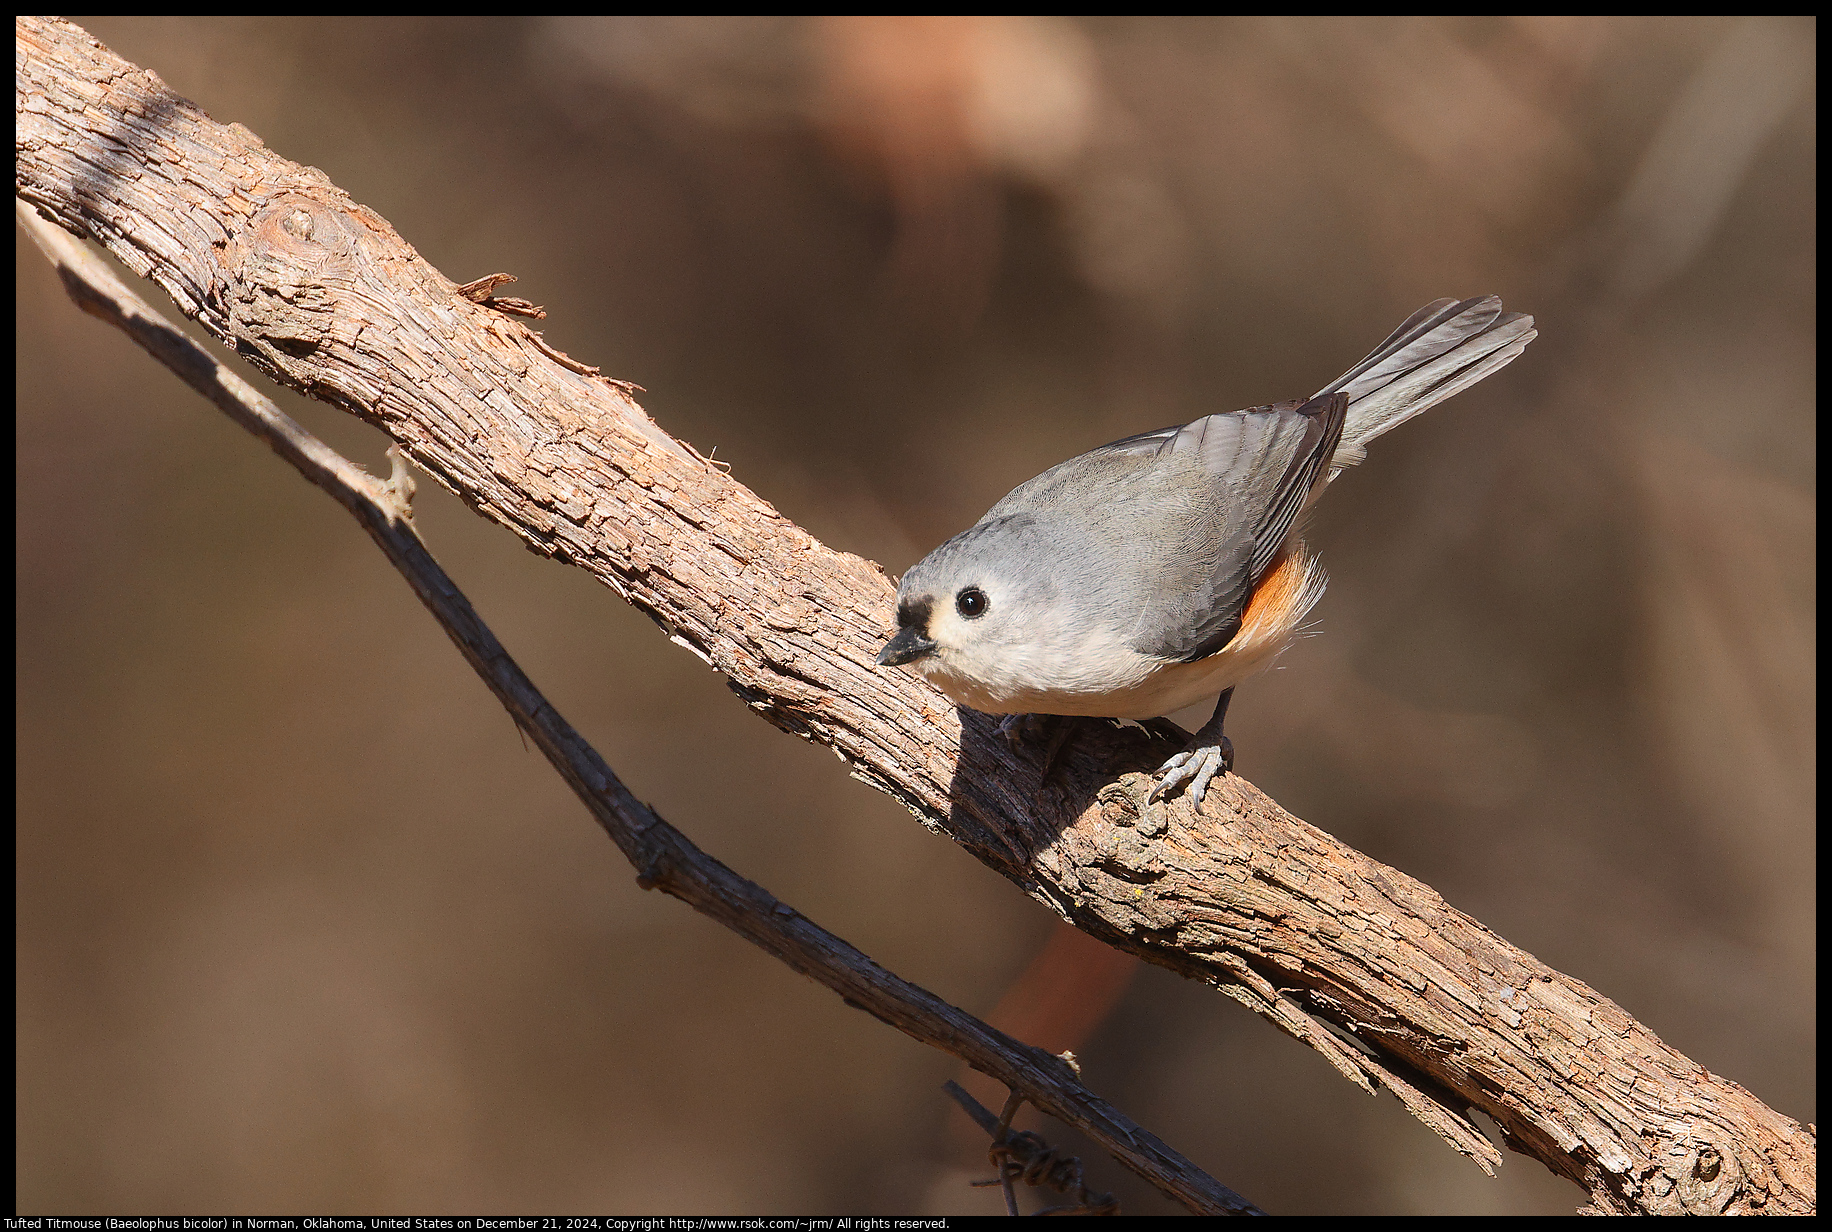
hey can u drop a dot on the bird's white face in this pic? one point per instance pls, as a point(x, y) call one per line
point(975, 661)
point(1001, 648)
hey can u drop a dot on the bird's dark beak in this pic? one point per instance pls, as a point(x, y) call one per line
point(909, 645)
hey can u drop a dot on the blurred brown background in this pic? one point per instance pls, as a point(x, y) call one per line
point(303, 926)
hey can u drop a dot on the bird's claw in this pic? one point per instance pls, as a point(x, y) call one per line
point(1197, 767)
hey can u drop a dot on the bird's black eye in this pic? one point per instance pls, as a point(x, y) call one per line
point(971, 603)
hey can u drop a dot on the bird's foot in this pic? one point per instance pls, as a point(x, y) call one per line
point(1196, 767)
point(1020, 729)
point(1024, 730)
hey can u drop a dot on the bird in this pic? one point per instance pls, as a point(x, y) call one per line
point(1141, 577)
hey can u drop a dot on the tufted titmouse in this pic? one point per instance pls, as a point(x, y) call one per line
point(1147, 574)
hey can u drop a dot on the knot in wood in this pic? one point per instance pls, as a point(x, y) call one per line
point(795, 615)
point(289, 270)
point(1118, 807)
point(297, 223)
point(1697, 1177)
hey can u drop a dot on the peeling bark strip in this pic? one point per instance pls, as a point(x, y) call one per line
point(1374, 970)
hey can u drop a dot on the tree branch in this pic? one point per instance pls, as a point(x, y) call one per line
point(1364, 964)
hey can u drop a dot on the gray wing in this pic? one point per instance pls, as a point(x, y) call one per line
point(1189, 518)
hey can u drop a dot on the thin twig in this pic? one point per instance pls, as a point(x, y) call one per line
point(1013, 1102)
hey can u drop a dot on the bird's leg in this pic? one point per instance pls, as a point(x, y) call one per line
point(1021, 729)
point(1210, 753)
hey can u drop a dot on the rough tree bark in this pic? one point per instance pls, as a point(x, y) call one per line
point(1368, 966)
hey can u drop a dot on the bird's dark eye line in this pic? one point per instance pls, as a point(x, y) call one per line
point(971, 603)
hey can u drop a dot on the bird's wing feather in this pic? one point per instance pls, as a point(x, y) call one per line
point(1195, 514)
point(1258, 468)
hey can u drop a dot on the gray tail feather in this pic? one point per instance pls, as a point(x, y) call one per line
point(1442, 349)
